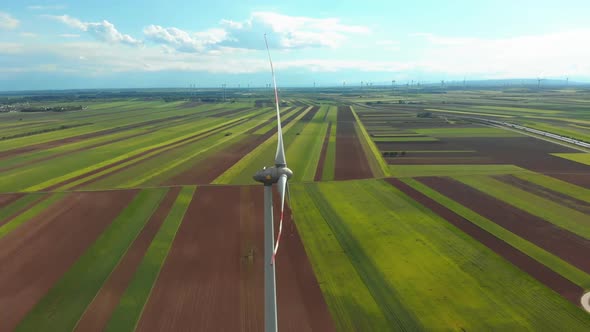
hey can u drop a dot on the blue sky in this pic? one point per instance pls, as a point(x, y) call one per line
point(118, 44)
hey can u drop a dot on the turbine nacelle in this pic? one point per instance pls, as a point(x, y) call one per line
point(271, 175)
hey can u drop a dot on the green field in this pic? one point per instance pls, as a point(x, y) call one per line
point(583, 158)
point(412, 277)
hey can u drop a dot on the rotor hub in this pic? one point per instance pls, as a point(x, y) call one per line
point(270, 175)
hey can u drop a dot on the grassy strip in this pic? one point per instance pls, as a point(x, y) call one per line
point(17, 206)
point(553, 262)
point(582, 158)
point(563, 187)
point(330, 161)
point(378, 165)
point(394, 313)
point(564, 217)
point(304, 152)
point(62, 306)
point(128, 312)
point(347, 297)
point(451, 170)
point(30, 213)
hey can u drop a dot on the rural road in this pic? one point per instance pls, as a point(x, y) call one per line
point(586, 301)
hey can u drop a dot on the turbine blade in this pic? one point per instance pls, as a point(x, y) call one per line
point(282, 186)
point(280, 155)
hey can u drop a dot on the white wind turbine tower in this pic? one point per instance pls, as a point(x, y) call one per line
point(280, 174)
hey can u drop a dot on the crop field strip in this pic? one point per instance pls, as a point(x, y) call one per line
point(52, 139)
point(99, 310)
point(565, 245)
point(55, 237)
point(131, 303)
point(198, 162)
point(351, 161)
point(296, 139)
point(371, 215)
point(208, 251)
point(79, 284)
point(323, 153)
point(543, 266)
point(330, 154)
point(121, 160)
point(554, 212)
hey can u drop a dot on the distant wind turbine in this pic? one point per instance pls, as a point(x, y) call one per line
point(280, 174)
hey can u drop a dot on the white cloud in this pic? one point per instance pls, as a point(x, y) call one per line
point(104, 30)
point(290, 32)
point(11, 48)
point(8, 22)
point(69, 35)
point(552, 55)
point(46, 7)
point(29, 34)
point(185, 41)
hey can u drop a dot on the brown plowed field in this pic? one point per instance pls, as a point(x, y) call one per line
point(212, 279)
point(525, 152)
point(564, 244)
point(320, 170)
point(309, 115)
point(99, 311)
point(441, 160)
point(209, 169)
point(6, 199)
point(35, 255)
point(553, 280)
point(552, 195)
point(351, 162)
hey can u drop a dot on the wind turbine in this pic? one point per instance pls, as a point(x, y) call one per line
point(280, 174)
